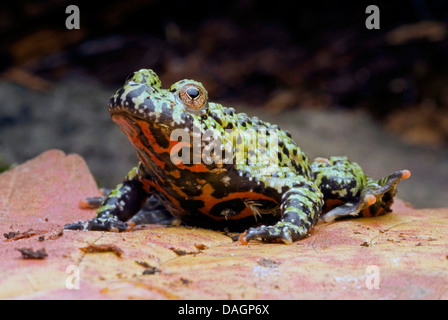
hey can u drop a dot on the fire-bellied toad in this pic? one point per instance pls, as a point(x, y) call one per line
point(212, 167)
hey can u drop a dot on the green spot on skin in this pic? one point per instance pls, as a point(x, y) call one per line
point(131, 174)
point(105, 208)
point(116, 193)
point(342, 193)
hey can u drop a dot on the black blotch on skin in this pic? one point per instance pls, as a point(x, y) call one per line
point(242, 122)
point(191, 205)
point(297, 167)
point(159, 137)
point(149, 105)
point(216, 118)
point(132, 94)
point(333, 184)
point(279, 154)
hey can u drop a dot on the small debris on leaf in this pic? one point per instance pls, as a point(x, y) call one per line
point(151, 270)
point(96, 248)
point(11, 235)
point(56, 234)
point(268, 263)
point(144, 264)
point(200, 246)
point(148, 268)
point(179, 252)
point(29, 253)
point(21, 235)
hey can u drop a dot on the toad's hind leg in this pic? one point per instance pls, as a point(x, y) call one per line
point(300, 208)
point(344, 182)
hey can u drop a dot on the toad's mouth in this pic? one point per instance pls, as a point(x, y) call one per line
point(127, 123)
point(153, 149)
point(147, 137)
point(127, 114)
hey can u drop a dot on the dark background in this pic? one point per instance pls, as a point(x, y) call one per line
point(378, 96)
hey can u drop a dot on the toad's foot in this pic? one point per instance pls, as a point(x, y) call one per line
point(97, 224)
point(376, 198)
point(284, 231)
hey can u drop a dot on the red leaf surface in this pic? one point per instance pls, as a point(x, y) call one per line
point(402, 255)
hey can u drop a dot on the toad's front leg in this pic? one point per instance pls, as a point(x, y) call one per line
point(300, 207)
point(120, 205)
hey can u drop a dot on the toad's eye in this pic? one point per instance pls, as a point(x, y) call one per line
point(193, 96)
